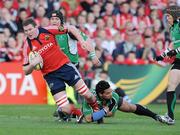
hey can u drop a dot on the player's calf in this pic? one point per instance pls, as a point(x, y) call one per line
point(83, 90)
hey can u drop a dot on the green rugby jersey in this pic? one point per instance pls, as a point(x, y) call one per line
point(175, 35)
point(69, 46)
point(87, 110)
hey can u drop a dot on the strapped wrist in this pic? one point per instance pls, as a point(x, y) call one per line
point(105, 111)
point(164, 54)
point(177, 50)
point(92, 54)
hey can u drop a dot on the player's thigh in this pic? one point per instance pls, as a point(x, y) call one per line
point(55, 84)
point(70, 74)
point(127, 107)
point(174, 79)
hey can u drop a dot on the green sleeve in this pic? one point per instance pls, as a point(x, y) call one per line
point(84, 36)
point(86, 109)
point(114, 102)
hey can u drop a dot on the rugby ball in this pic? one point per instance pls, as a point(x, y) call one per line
point(32, 55)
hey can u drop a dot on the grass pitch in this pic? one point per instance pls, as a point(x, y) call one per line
point(38, 120)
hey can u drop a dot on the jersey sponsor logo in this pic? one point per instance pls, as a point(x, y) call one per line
point(44, 48)
point(47, 37)
point(51, 85)
point(76, 77)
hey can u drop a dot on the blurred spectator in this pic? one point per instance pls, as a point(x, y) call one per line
point(154, 15)
point(7, 22)
point(109, 7)
point(123, 17)
point(147, 52)
point(141, 17)
point(11, 6)
point(159, 47)
point(138, 41)
point(22, 17)
point(40, 13)
point(133, 6)
point(7, 34)
point(100, 25)
point(148, 32)
point(31, 8)
point(90, 25)
point(86, 5)
point(132, 60)
point(110, 30)
point(119, 59)
point(13, 52)
point(20, 39)
point(108, 60)
point(3, 50)
point(126, 46)
point(103, 75)
point(107, 43)
point(96, 10)
point(44, 22)
point(81, 20)
point(158, 30)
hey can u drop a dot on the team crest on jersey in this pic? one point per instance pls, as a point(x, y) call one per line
point(47, 37)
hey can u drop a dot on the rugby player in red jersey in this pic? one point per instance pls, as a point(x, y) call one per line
point(57, 69)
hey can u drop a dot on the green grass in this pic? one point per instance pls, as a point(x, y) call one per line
point(38, 120)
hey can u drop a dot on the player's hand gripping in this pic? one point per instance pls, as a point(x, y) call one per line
point(36, 60)
point(159, 58)
point(171, 53)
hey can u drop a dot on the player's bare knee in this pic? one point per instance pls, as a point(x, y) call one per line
point(171, 87)
point(132, 107)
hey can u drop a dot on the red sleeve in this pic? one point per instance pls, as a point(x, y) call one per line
point(54, 30)
point(25, 53)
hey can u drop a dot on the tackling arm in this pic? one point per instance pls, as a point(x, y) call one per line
point(85, 43)
point(95, 116)
point(173, 52)
point(163, 55)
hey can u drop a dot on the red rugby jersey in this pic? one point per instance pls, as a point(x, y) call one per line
point(45, 44)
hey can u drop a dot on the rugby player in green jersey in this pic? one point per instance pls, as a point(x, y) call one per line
point(172, 15)
point(109, 102)
point(68, 41)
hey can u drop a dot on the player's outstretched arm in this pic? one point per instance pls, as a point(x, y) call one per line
point(173, 52)
point(72, 29)
point(163, 55)
point(85, 42)
point(95, 116)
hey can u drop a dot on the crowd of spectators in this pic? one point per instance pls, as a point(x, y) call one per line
point(122, 31)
